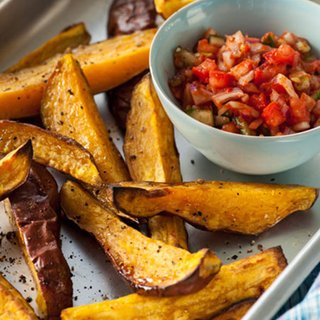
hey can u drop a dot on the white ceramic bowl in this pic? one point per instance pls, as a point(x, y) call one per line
point(245, 154)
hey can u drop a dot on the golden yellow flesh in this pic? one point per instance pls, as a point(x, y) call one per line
point(51, 150)
point(105, 64)
point(167, 7)
point(69, 38)
point(151, 155)
point(236, 312)
point(12, 304)
point(68, 108)
point(150, 266)
point(244, 279)
point(248, 208)
point(14, 168)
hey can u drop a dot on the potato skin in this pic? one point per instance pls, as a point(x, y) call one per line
point(119, 100)
point(126, 17)
point(29, 208)
point(244, 279)
point(246, 208)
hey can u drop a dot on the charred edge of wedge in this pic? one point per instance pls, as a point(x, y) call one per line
point(235, 312)
point(152, 190)
point(193, 282)
point(103, 194)
point(16, 306)
point(21, 155)
point(205, 265)
point(36, 222)
point(258, 270)
point(32, 133)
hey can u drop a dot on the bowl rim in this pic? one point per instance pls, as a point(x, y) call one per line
point(175, 106)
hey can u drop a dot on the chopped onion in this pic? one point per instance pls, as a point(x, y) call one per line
point(286, 84)
point(246, 78)
point(304, 125)
point(222, 97)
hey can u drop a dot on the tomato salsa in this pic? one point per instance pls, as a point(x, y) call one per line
point(254, 86)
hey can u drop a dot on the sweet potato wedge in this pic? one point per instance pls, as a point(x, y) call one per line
point(38, 231)
point(69, 38)
point(247, 208)
point(68, 108)
point(105, 64)
point(126, 17)
point(12, 304)
point(51, 149)
point(167, 7)
point(150, 266)
point(236, 312)
point(14, 169)
point(151, 155)
point(244, 279)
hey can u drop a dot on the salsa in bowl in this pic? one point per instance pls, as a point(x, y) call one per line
point(266, 151)
point(254, 86)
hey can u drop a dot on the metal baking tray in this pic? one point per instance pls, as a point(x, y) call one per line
point(26, 24)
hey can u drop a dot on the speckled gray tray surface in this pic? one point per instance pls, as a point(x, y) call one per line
point(26, 24)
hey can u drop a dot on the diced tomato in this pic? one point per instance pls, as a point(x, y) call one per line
point(285, 54)
point(242, 68)
point(230, 127)
point(205, 47)
point(219, 79)
point(267, 86)
point(312, 67)
point(202, 70)
point(308, 101)
point(258, 101)
point(255, 124)
point(298, 111)
point(273, 115)
point(267, 71)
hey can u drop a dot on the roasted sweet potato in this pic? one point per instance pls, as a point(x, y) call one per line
point(244, 279)
point(14, 169)
point(150, 266)
point(247, 208)
point(167, 7)
point(51, 149)
point(126, 17)
point(12, 304)
point(68, 38)
point(68, 108)
point(119, 100)
point(151, 155)
point(236, 312)
point(149, 145)
point(106, 65)
point(38, 231)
